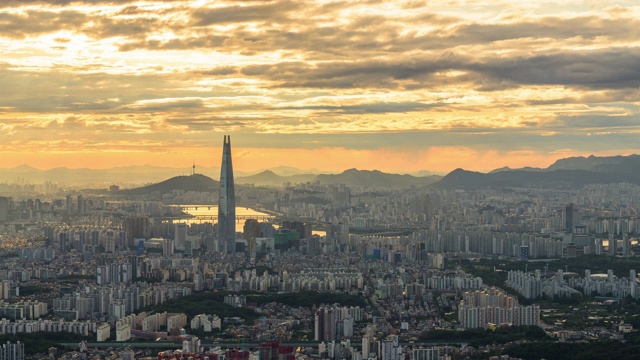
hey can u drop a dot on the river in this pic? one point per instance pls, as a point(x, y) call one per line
point(212, 210)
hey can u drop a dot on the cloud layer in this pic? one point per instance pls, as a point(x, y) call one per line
point(141, 81)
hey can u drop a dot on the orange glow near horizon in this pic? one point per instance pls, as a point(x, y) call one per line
point(435, 159)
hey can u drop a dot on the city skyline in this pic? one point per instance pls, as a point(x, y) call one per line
point(398, 86)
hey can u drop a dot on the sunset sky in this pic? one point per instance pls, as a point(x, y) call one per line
point(399, 86)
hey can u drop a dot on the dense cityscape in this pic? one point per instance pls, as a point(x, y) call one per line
point(315, 270)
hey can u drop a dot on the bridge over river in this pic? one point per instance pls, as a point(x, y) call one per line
point(239, 218)
point(199, 213)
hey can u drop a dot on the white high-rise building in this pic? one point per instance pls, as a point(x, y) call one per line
point(481, 307)
point(11, 351)
point(348, 326)
point(180, 236)
point(366, 346)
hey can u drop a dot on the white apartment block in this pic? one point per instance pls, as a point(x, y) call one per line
point(103, 332)
point(492, 306)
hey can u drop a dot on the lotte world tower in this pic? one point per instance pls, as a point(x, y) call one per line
point(227, 202)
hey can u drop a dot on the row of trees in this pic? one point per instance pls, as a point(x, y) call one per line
point(482, 337)
point(40, 342)
point(203, 303)
point(213, 302)
point(596, 350)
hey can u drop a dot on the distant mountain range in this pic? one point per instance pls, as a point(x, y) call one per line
point(123, 176)
point(574, 172)
point(375, 178)
point(571, 172)
point(268, 177)
point(351, 177)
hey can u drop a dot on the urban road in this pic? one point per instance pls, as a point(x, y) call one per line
point(249, 345)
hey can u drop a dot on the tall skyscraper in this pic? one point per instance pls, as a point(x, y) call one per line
point(69, 205)
point(325, 324)
point(227, 201)
point(4, 208)
point(81, 205)
point(180, 235)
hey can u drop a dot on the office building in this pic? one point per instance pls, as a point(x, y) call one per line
point(568, 219)
point(69, 205)
point(180, 236)
point(4, 208)
point(82, 205)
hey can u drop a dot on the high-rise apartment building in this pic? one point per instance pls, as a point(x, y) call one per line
point(12, 351)
point(136, 227)
point(325, 324)
point(227, 201)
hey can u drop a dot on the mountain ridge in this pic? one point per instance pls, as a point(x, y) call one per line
point(617, 168)
point(194, 182)
point(569, 172)
point(268, 177)
point(375, 178)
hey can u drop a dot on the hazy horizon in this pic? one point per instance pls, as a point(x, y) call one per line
point(280, 170)
point(290, 170)
point(399, 86)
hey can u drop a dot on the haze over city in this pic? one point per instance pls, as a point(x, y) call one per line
point(400, 86)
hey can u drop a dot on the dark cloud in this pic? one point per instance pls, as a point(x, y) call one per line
point(221, 70)
point(288, 26)
point(108, 27)
point(37, 22)
point(613, 68)
point(374, 73)
point(550, 27)
point(211, 42)
point(372, 108)
point(597, 122)
point(17, 3)
point(599, 69)
point(29, 23)
point(270, 11)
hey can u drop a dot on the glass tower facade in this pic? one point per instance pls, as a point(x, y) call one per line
point(227, 202)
